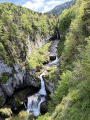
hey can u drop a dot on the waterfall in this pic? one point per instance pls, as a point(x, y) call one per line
point(42, 90)
point(35, 100)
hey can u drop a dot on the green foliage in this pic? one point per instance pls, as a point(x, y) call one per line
point(44, 117)
point(60, 92)
point(71, 100)
point(38, 56)
point(1, 48)
point(75, 38)
point(52, 75)
point(65, 20)
point(16, 24)
point(73, 91)
point(60, 47)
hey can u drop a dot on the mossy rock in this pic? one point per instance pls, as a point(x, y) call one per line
point(23, 115)
point(5, 112)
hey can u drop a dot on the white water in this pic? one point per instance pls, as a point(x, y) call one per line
point(42, 90)
point(35, 100)
point(34, 103)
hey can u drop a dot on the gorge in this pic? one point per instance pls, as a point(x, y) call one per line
point(45, 63)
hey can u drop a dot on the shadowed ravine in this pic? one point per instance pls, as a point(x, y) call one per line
point(34, 101)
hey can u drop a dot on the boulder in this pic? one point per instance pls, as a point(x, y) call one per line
point(5, 112)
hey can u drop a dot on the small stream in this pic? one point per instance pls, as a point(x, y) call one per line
point(34, 101)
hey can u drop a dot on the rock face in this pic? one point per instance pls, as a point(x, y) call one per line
point(4, 68)
point(37, 43)
point(12, 78)
point(20, 80)
point(49, 85)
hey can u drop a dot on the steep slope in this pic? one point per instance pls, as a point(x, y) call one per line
point(60, 8)
point(71, 100)
point(18, 27)
point(21, 32)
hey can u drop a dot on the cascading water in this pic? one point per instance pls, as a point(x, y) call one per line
point(42, 90)
point(35, 100)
